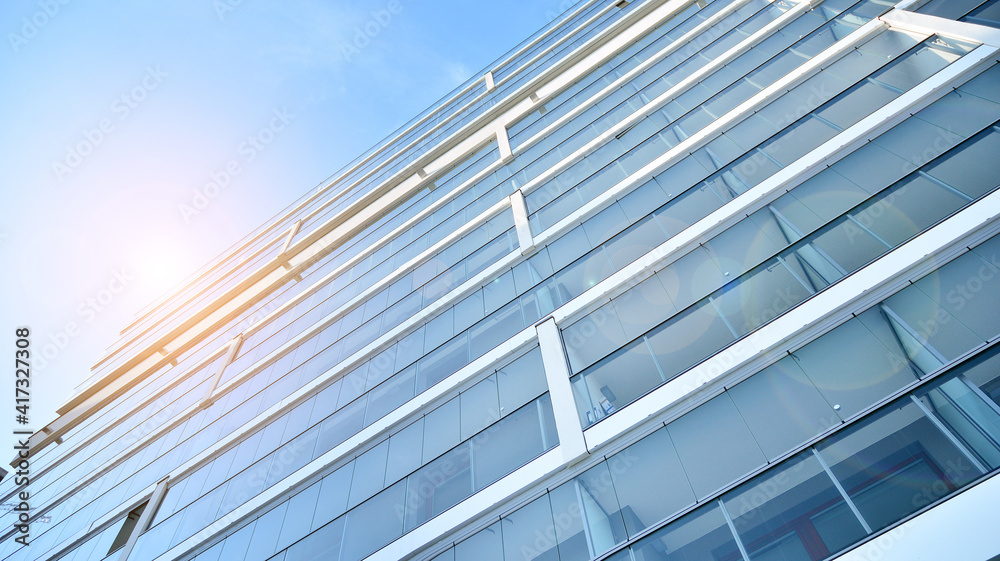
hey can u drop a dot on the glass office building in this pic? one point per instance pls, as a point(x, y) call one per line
point(671, 280)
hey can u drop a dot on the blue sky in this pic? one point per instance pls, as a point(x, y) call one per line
point(114, 113)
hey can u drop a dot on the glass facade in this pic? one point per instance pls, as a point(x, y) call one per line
point(762, 233)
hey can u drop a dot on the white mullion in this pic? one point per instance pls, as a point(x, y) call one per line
point(547, 75)
point(320, 381)
point(263, 363)
point(735, 210)
point(146, 518)
point(859, 290)
point(715, 128)
point(681, 42)
point(503, 143)
point(555, 74)
point(379, 429)
point(234, 346)
point(557, 373)
point(524, 238)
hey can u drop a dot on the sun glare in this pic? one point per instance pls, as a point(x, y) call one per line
point(159, 264)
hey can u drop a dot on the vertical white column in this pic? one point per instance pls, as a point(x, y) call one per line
point(234, 346)
point(521, 224)
point(503, 143)
point(147, 516)
point(291, 234)
point(568, 425)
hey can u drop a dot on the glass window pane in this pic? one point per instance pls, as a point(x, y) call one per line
point(702, 534)
point(237, 543)
point(495, 329)
point(782, 407)
point(691, 278)
point(440, 329)
point(353, 385)
point(851, 368)
point(326, 402)
point(404, 451)
point(390, 395)
point(827, 195)
point(641, 201)
point(951, 9)
point(485, 545)
point(961, 114)
point(265, 534)
point(521, 381)
point(212, 554)
point(577, 278)
point(438, 486)
point(984, 372)
point(480, 407)
point(442, 362)
point(498, 292)
point(966, 289)
point(801, 137)
point(298, 516)
point(649, 481)
point(449, 555)
point(895, 463)
point(616, 381)
point(441, 430)
point(340, 426)
point(322, 545)
point(968, 416)
point(520, 532)
point(369, 527)
point(849, 244)
point(469, 311)
point(871, 168)
point(971, 168)
point(410, 348)
point(512, 442)
point(246, 484)
point(380, 368)
point(588, 515)
point(687, 208)
point(910, 139)
point(369, 473)
point(637, 241)
point(792, 513)
point(688, 338)
point(333, 494)
point(931, 325)
point(569, 247)
point(605, 224)
point(714, 445)
point(759, 297)
point(907, 209)
point(593, 337)
point(643, 307)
